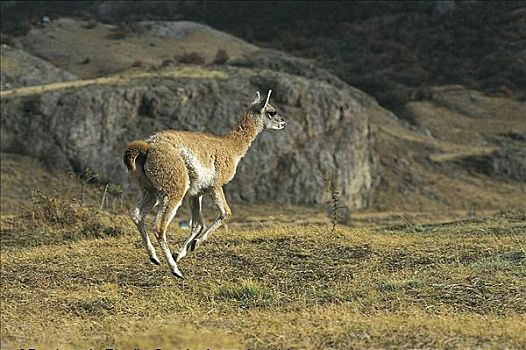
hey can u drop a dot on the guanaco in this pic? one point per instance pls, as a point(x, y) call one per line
point(172, 164)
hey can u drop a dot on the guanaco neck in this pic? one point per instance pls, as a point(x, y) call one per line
point(243, 134)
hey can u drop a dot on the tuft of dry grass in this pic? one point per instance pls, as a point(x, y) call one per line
point(52, 220)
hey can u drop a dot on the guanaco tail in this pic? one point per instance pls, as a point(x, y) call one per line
point(172, 164)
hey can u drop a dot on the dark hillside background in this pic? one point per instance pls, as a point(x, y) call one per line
point(391, 50)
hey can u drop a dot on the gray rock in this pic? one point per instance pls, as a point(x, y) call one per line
point(176, 29)
point(20, 68)
point(508, 162)
point(282, 62)
point(327, 131)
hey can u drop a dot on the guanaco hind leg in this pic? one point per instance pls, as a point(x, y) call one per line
point(165, 215)
point(145, 204)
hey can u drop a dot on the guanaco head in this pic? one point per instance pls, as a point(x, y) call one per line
point(265, 113)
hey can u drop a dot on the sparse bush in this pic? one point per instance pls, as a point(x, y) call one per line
point(337, 213)
point(137, 63)
point(7, 39)
point(85, 176)
point(192, 58)
point(167, 62)
point(92, 23)
point(47, 210)
point(52, 219)
point(117, 194)
point(222, 57)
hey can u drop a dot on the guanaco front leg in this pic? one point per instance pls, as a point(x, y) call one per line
point(224, 212)
point(197, 226)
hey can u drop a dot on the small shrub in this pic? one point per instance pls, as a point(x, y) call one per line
point(192, 58)
point(7, 39)
point(221, 57)
point(117, 194)
point(137, 63)
point(92, 23)
point(337, 213)
point(85, 176)
point(167, 62)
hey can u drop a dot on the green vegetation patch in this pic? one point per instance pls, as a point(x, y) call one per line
point(246, 294)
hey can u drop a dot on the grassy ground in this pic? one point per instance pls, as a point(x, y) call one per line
point(74, 276)
point(441, 286)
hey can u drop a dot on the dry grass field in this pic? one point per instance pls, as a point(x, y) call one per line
point(77, 277)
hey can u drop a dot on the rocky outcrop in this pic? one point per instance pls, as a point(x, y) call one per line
point(20, 68)
point(508, 162)
point(281, 62)
point(327, 132)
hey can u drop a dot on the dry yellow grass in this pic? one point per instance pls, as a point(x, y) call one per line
point(442, 286)
point(73, 276)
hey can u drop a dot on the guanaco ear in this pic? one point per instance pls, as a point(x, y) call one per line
point(268, 98)
point(257, 98)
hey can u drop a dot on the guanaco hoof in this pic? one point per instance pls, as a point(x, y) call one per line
point(153, 260)
point(178, 275)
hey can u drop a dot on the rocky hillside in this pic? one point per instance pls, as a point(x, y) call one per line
point(87, 123)
point(453, 148)
point(389, 49)
point(108, 49)
point(458, 149)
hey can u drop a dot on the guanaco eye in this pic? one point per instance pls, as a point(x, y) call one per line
point(271, 114)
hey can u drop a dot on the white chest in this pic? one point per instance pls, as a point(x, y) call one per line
point(202, 176)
